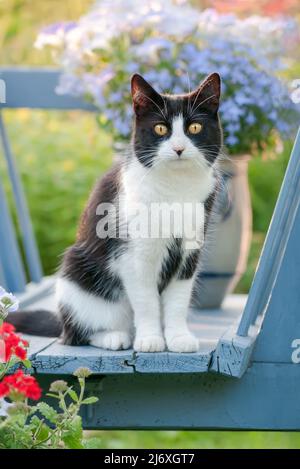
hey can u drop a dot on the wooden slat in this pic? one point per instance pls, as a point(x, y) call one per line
point(209, 326)
point(28, 238)
point(37, 344)
point(35, 88)
point(10, 257)
point(63, 359)
point(276, 242)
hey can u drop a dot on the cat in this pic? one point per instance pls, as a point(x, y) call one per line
point(117, 292)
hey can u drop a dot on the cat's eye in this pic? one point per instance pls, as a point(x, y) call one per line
point(195, 128)
point(161, 129)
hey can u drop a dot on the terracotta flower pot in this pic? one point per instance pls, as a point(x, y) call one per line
point(228, 237)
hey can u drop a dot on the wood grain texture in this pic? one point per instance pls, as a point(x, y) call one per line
point(63, 359)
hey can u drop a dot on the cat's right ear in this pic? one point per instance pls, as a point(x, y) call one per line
point(144, 97)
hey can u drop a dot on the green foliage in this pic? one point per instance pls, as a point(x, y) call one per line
point(59, 155)
point(42, 426)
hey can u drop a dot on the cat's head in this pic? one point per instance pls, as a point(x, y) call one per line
point(174, 129)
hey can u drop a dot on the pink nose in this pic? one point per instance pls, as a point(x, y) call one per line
point(178, 150)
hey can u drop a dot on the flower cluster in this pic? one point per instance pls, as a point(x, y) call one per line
point(175, 46)
point(25, 385)
point(14, 345)
point(22, 425)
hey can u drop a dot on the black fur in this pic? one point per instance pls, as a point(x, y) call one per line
point(39, 322)
point(189, 266)
point(86, 262)
point(170, 264)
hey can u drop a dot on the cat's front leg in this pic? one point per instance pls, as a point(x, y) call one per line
point(144, 299)
point(175, 300)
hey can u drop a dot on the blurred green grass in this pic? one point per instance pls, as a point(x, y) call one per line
point(60, 155)
point(193, 439)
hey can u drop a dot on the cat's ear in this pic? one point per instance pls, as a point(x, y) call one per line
point(208, 93)
point(144, 97)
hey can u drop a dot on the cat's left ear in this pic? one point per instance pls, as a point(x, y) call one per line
point(208, 93)
point(144, 97)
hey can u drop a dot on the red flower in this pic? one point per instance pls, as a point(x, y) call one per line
point(21, 383)
point(20, 352)
point(4, 389)
point(14, 345)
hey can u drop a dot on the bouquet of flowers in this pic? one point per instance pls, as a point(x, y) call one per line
point(175, 46)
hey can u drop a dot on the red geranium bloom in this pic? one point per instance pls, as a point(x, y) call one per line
point(4, 389)
point(24, 384)
point(14, 345)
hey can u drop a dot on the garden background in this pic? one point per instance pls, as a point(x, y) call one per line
point(60, 155)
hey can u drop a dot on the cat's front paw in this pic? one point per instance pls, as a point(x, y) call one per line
point(149, 343)
point(183, 343)
point(111, 340)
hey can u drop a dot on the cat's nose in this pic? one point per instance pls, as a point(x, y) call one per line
point(178, 149)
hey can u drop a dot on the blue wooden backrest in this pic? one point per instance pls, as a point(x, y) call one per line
point(35, 88)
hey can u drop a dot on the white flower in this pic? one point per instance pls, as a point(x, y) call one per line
point(8, 302)
point(4, 405)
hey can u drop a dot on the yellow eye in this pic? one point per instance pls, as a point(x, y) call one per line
point(161, 129)
point(195, 128)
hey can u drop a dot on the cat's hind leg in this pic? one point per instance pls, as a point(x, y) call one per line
point(89, 319)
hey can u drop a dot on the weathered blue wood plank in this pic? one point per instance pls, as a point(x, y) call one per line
point(233, 352)
point(63, 359)
point(266, 398)
point(35, 88)
point(208, 326)
point(168, 362)
point(30, 247)
point(37, 344)
point(10, 259)
point(276, 241)
point(282, 317)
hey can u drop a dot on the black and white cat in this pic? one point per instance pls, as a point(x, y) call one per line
point(116, 292)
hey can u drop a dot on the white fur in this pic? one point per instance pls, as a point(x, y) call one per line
point(157, 320)
point(92, 312)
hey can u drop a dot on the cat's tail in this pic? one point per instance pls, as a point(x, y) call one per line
point(40, 322)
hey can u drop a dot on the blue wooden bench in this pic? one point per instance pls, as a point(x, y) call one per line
point(243, 377)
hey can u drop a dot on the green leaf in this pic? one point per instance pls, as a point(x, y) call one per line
point(73, 395)
point(73, 435)
point(43, 433)
point(49, 394)
point(90, 400)
point(27, 363)
point(48, 412)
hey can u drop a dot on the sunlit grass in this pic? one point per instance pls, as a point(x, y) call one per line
point(193, 439)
